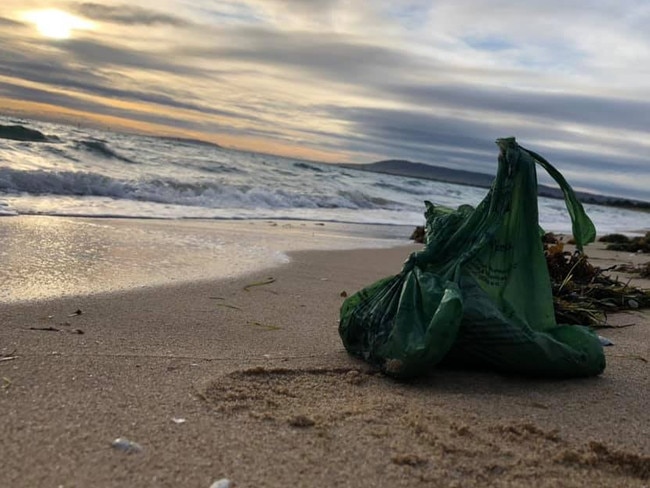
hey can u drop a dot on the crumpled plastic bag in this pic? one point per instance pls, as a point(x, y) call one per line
point(479, 293)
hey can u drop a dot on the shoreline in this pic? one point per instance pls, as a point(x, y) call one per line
point(45, 257)
point(263, 393)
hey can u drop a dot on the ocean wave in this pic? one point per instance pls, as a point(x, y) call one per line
point(362, 200)
point(22, 133)
point(308, 167)
point(189, 141)
point(61, 153)
point(43, 182)
point(6, 210)
point(170, 191)
point(101, 148)
point(402, 189)
point(218, 168)
point(284, 172)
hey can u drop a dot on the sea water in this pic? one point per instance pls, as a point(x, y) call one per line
point(93, 173)
point(52, 188)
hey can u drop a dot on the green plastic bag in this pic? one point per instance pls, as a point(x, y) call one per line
point(479, 293)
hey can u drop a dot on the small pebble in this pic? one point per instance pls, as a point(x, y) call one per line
point(178, 420)
point(354, 377)
point(604, 341)
point(223, 483)
point(301, 421)
point(633, 303)
point(125, 445)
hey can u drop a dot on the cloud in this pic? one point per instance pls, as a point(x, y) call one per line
point(577, 108)
point(312, 8)
point(435, 82)
point(103, 86)
point(467, 144)
point(428, 137)
point(338, 58)
point(80, 104)
point(128, 15)
point(76, 68)
point(297, 14)
point(5, 22)
point(99, 54)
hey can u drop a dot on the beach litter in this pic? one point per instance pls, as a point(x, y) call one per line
point(226, 305)
point(54, 329)
point(260, 325)
point(267, 281)
point(45, 329)
point(583, 294)
point(9, 356)
point(478, 294)
point(125, 445)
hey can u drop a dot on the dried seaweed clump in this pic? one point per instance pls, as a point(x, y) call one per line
point(619, 242)
point(643, 270)
point(418, 234)
point(584, 294)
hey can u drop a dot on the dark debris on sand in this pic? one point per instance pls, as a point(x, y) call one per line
point(620, 242)
point(583, 293)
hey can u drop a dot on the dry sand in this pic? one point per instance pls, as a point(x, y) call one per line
point(271, 399)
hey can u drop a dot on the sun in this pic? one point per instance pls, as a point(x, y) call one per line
point(56, 24)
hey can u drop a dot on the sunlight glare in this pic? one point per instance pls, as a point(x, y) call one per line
point(56, 24)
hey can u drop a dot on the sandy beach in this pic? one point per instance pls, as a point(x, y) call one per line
point(245, 378)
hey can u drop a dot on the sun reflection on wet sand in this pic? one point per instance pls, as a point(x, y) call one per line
point(45, 257)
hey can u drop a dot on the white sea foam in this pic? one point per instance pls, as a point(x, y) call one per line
point(94, 173)
point(5, 209)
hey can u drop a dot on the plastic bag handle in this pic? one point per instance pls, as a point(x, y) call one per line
point(583, 228)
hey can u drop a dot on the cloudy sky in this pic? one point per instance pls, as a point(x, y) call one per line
point(350, 80)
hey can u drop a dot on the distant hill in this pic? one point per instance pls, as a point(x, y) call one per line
point(420, 170)
point(402, 167)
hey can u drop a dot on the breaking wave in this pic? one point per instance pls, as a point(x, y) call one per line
point(22, 133)
point(170, 191)
point(100, 148)
point(5, 209)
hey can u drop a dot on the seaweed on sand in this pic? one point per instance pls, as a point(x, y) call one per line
point(619, 242)
point(643, 270)
point(582, 293)
point(585, 294)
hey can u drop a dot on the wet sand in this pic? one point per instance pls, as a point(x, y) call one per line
point(45, 257)
point(269, 397)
